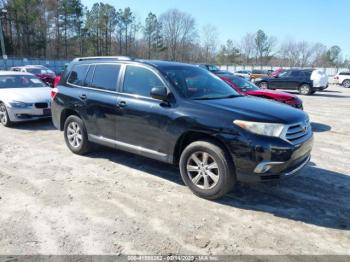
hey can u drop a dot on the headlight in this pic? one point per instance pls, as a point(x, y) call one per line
point(265, 129)
point(18, 104)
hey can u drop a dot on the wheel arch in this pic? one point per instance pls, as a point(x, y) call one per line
point(65, 114)
point(346, 79)
point(191, 136)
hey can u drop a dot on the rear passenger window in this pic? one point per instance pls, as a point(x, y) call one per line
point(296, 74)
point(105, 77)
point(78, 74)
point(140, 81)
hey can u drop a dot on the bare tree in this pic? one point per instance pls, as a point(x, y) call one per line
point(209, 38)
point(247, 47)
point(179, 31)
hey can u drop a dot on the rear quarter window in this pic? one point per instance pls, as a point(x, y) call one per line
point(77, 75)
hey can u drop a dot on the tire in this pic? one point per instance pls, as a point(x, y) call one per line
point(213, 179)
point(346, 83)
point(264, 85)
point(4, 116)
point(75, 136)
point(305, 89)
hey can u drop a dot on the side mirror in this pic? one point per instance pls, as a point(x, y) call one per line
point(159, 93)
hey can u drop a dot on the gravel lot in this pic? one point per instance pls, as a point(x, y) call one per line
point(111, 202)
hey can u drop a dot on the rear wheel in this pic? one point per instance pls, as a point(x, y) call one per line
point(4, 117)
point(75, 135)
point(207, 169)
point(305, 89)
point(346, 83)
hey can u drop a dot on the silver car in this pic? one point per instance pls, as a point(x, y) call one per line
point(23, 97)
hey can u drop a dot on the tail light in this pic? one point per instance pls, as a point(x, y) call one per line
point(56, 81)
point(336, 77)
point(54, 92)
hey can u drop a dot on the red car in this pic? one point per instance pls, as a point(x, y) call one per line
point(245, 87)
point(42, 72)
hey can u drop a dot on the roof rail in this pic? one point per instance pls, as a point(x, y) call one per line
point(122, 58)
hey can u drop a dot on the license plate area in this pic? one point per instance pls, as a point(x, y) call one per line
point(46, 112)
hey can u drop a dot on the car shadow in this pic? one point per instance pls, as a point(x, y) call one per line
point(316, 196)
point(319, 128)
point(321, 94)
point(39, 125)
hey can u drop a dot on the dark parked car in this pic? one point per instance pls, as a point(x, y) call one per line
point(180, 114)
point(246, 87)
point(306, 81)
point(214, 69)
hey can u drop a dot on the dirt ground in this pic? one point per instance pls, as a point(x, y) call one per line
point(111, 202)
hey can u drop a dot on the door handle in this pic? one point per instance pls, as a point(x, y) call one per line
point(122, 104)
point(83, 97)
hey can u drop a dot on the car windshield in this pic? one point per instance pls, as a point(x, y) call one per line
point(198, 84)
point(20, 81)
point(243, 84)
point(37, 71)
point(213, 68)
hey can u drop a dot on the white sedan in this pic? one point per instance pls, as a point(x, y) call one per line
point(23, 97)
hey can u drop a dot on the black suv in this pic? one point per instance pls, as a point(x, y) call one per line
point(296, 79)
point(180, 114)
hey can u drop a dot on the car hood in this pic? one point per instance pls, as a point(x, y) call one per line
point(271, 93)
point(26, 95)
point(257, 109)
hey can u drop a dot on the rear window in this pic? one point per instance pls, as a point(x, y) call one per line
point(345, 74)
point(105, 77)
point(77, 75)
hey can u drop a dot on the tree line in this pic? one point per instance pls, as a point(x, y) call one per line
point(64, 29)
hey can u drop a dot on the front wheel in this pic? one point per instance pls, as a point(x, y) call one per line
point(346, 83)
point(4, 117)
point(305, 89)
point(264, 85)
point(75, 135)
point(207, 169)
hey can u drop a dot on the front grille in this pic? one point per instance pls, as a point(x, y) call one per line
point(297, 131)
point(41, 105)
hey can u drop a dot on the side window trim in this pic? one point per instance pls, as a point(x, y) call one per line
point(88, 65)
point(121, 90)
point(117, 82)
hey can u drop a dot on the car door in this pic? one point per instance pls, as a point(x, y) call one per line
point(142, 120)
point(100, 97)
point(281, 81)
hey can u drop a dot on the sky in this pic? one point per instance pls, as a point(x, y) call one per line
point(324, 21)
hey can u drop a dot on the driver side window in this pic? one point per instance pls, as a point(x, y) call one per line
point(140, 81)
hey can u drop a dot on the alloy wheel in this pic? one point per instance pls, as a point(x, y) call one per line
point(304, 89)
point(203, 170)
point(263, 85)
point(346, 84)
point(3, 115)
point(74, 134)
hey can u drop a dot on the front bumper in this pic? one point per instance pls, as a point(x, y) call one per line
point(28, 114)
point(259, 159)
